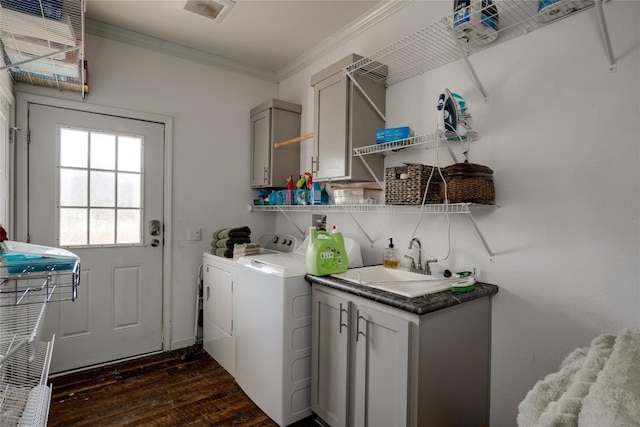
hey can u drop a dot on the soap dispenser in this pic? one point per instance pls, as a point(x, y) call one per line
point(390, 256)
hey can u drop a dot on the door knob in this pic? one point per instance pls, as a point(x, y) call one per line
point(155, 242)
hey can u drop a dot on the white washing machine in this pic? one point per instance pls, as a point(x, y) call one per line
point(219, 299)
point(273, 332)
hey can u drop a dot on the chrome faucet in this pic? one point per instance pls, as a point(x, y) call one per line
point(419, 268)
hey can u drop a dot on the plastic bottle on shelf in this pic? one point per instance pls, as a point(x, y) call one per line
point(316, 194)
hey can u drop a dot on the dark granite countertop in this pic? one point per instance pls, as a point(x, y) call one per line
point(419, 305)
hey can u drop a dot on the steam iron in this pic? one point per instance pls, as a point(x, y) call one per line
point(447, 113)
point(454, 122)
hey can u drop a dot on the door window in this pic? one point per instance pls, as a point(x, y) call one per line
point(100, 188)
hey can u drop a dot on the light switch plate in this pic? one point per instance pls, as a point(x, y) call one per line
point(194, 234)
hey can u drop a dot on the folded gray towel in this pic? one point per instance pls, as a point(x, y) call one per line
point(223, 252)
point(226, 233)
point(230, 243)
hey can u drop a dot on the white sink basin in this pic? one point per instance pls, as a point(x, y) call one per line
point(401, 282)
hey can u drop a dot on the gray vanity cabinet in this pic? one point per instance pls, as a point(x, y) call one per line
point(377, 365)
point(272, 122)
point(362, 358)
point(343, 120)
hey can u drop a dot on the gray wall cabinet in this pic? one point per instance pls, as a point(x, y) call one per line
point(375, 365)
point(272, 122)
point(343, 120)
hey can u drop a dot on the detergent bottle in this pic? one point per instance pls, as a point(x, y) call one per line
point(326, 253)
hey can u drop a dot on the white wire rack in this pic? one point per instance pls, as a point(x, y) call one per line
point(24, 395)
point(43, 42)
point(441, 208)
point(424, 141)
point(437, 44)
point(20, 328)
point(451, 208)
point(24, 297)
point(35, 284)
point(31, 277)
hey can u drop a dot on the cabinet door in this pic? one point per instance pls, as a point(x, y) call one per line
point(260, 148)
point(332, 150)
point(329, 349)
point(381, 368)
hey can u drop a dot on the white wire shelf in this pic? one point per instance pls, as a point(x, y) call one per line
point(424, 141)
point(442, 208)
point(437, 44)
point(451, 208)
point(20, 328)
point(32, 286)
point(43, 42)
point(24, 395)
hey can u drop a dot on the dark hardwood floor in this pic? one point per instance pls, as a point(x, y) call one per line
point(179, 388)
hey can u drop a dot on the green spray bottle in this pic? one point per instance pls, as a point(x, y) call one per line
point(326, 253)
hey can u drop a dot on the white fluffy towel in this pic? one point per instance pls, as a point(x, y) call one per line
point(596, 386)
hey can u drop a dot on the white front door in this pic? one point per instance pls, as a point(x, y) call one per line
point(96, 188)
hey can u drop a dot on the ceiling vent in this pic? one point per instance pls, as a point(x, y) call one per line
point(210, 9)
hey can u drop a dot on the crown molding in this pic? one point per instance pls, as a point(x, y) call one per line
point(363, 23)
point(123, 35)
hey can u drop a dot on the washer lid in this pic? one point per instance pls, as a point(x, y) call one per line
point(276, 264)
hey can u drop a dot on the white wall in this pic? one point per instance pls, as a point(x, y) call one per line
point(210, 108)
point(561, 133)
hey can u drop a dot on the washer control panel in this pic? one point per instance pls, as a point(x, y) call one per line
point(278, 242)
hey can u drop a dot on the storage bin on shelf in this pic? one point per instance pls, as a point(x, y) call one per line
point(406, 185)
point(356, 195)
point(468, 183)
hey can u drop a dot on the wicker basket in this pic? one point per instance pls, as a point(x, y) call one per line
point(470, 183)
point(405, 185)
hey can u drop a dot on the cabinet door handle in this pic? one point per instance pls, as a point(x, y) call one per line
point(314, 162)
point(340, 322)
point(358, 331)
point(208, 293)
point(264, 174)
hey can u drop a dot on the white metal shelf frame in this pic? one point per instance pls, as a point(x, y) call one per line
point(436, 45)
point(443, 208)
point(43, 42)
point(24, 395)
point(26, 289)
point(20, 328)
point(24, 297)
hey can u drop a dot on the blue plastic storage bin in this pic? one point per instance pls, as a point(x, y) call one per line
point(51, 9)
